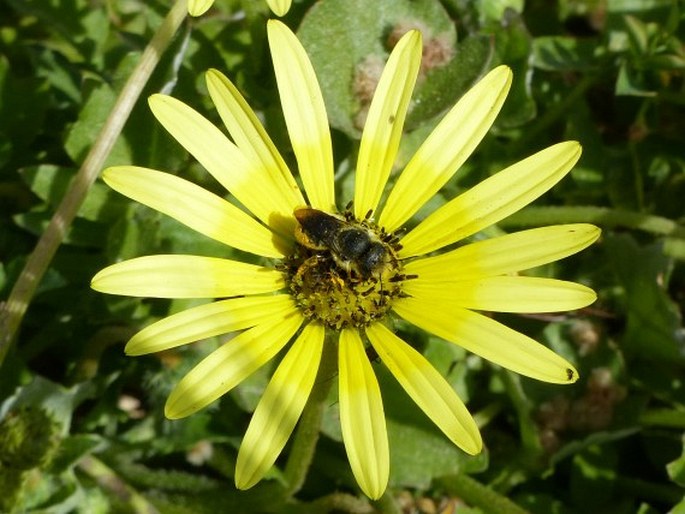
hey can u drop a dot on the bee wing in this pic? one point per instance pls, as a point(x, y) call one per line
point(319, 228)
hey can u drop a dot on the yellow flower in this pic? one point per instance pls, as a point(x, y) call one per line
point(199, 7)
point(306, 287)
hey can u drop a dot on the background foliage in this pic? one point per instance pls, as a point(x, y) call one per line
point(82, 425)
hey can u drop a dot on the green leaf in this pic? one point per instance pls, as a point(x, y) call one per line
point(639, 6)
point(419, 455)
point(23, 107)
point(165, 479)
point(562, 53)
point(653, 320)
point(419, 452)
point(81, 232)
point(50, 183)
point(637, 34)
point(627, 83)
point(444, 85)
point(453, 363)
point(56, 399)
point(676, 469)
point(593, 476)
point(363, 30)
point(78, 28)
point(91, 118)
point(514, 48)
point(74, 447)
point(679, 508)
point(495, 10)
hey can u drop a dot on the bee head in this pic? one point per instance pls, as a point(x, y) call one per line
point(374, 260)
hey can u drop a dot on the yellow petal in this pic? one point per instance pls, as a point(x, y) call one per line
point(305, 115)
point(221, 158)
point(196, 208)
point(383, 128)
point(506, 254)
point(493, 199)
point(209, 320)
point(361, 417)
point(279, 7)
point(447, 147)
point(249, 135)
point(489, 339)
point(226, 367)
point(186, 276)
point(199, 7)
point(279, 409)
point(427, 388)
point(504, 293)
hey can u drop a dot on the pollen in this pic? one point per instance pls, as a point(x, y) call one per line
point(327, 285)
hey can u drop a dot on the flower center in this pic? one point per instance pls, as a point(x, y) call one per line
point(344, 272)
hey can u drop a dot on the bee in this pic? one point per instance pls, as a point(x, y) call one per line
point(354, 248)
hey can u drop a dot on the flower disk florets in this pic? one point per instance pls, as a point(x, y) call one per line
point(344, 272)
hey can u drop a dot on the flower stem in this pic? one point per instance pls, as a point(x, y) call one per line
point(479, 495)
point(13, 310)
point(307, 433)
point(524, 410)
point(386, 504)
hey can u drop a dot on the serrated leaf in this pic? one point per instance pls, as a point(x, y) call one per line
point(562, 53)
point(56, 399)
point(72, 448)
point(143, 476)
